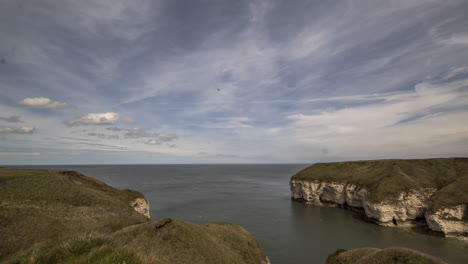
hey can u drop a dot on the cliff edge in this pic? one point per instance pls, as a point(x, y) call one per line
point(53, 216)
point(393, 192)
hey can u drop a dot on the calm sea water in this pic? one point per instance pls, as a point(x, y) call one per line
point(257, 197)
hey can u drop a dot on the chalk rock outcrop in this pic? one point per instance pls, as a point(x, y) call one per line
point(399, 211)
point(408, 206)
point(449, 220)
point(141, 205)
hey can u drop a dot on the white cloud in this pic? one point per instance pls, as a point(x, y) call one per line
point(98, 119)
point(42, 102)
point(152, 142)
point(21, 130)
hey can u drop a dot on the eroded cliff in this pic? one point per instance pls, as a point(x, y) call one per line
point(391, 192)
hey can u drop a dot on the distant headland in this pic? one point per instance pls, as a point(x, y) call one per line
point(393, 192)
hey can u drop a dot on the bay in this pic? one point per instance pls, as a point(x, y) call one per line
point(257, 197)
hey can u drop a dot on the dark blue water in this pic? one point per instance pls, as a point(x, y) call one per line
point(257, 197)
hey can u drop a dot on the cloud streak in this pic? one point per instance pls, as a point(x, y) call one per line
point(21, 130)
point(11, 119)
point(20, 153)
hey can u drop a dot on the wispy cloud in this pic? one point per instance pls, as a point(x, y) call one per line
point(20, 153)
point(457, 40)
point(228, 122)
point(102, 135)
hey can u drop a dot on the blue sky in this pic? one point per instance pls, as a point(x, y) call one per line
point(232, 81)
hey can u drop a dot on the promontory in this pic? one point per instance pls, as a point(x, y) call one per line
point(53, 216)
point(393, 192)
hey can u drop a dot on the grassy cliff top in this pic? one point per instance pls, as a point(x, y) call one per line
point(53, 216)
point(163, 242)
point(386, 178)
point(380, 256)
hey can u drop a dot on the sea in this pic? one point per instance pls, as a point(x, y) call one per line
point(258, 198)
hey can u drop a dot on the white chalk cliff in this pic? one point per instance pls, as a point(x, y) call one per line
point(400, 211)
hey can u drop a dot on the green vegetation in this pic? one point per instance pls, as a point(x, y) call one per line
point(386, 178)
point(51, 216)
point(380, 256)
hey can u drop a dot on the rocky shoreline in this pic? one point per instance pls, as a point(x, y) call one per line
point(406, 209)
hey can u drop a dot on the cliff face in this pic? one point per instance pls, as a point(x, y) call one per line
point(141, 206)
point(449, 220)
point(399, 211)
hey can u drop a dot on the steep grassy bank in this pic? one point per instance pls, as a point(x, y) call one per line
point(51, 216)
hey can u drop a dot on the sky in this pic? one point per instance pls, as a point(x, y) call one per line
point(156, 82)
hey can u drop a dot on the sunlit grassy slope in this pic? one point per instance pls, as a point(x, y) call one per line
point(50, 216)
point(380, 256)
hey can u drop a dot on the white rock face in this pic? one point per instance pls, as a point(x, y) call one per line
point(449, 220)
point(408, 206)
point(305, 190)
point(141, 205)
point(355, 195)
